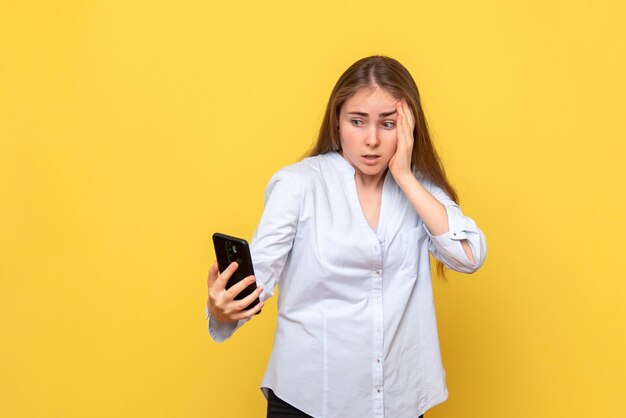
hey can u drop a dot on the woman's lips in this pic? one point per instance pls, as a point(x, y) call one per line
point(371, 159)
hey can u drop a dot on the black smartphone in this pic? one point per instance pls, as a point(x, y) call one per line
point(229, 249)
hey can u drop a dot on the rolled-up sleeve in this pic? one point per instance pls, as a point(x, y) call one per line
point(447, 247)
point(270, 245)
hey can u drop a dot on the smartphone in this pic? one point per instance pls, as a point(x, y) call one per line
point(229, 249)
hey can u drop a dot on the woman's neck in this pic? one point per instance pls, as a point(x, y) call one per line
point(369, 183)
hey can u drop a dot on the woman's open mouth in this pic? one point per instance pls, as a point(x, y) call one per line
point(371, 158)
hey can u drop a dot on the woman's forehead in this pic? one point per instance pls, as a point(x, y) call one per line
point(373, 99)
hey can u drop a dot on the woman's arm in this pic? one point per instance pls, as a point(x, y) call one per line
point(443, 219)
point(270, 247)
point(431, 210)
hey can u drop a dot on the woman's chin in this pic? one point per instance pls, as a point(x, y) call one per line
point(372, 171)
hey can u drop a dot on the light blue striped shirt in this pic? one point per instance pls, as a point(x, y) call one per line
point(356, 334)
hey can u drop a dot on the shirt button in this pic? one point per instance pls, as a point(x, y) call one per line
point(378, 330)
point(378, 272)
point(379, 390)
point(377, 360)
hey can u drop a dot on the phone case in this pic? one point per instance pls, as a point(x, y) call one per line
point(229, 249)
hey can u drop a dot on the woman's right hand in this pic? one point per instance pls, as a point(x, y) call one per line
point(222, 304)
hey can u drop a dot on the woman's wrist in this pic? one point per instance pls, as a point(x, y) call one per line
point(404, 180)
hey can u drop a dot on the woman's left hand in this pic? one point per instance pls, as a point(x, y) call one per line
point(400, 163)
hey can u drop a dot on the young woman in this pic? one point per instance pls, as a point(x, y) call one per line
point(346, 234)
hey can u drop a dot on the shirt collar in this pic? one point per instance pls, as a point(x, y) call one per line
point(341, 163)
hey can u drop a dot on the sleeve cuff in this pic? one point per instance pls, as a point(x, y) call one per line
point(458, 226)
point(220, 331)
point(448, 245)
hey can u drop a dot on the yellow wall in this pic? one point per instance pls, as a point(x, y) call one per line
point(131, 131)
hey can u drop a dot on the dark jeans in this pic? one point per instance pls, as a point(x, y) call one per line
point(277, 408)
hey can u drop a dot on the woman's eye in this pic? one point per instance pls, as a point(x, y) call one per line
point(356, 122)
point(389, 124)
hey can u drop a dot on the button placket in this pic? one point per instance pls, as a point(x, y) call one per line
point(378, 328)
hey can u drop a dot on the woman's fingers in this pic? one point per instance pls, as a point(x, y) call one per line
point(250, 312)
point(402, 128)
point(403, 120)
point(212, 275)
point(239, 286)
point(220, 283)
point(245, 302)
point(222, 303)
point(400, 163)
point(408, 118)
point(399, 125)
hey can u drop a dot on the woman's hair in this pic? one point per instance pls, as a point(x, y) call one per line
point(388, 74)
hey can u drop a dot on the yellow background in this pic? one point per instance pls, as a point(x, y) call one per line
point(132, 130)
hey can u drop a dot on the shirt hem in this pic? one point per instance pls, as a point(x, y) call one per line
point(265, 389)
point(432, 405)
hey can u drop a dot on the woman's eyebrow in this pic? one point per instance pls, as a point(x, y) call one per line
point(385, 114)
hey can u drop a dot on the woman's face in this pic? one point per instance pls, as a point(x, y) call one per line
point(367, 130)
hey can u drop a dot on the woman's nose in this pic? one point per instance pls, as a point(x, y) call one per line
point(372, 137)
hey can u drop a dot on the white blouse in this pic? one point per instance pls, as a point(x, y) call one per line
point(356, 334)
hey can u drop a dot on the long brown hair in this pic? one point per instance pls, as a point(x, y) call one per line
point(395, 79)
